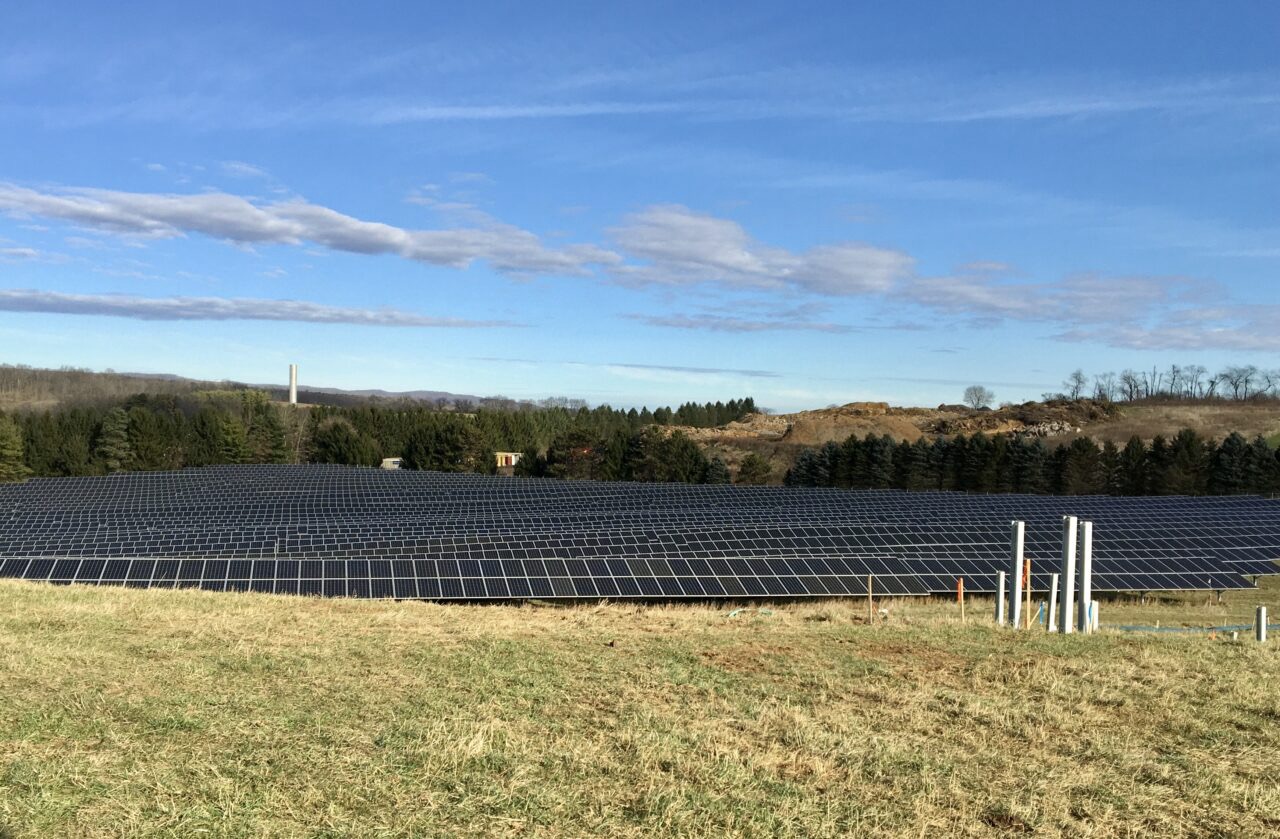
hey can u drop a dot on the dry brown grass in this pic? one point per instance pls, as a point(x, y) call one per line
point(1214, 421)
point(135, 713)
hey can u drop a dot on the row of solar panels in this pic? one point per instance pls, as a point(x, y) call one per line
point(364, 578)
point(263, 527)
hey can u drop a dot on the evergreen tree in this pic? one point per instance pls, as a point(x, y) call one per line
point(809, 470)
point(574, 455)
point(1132, 470)
point(265, 434)
point(337, 441)
point(155, 438)
point(717, 472)
point(1262, 468)
point(1158, 467)
point(113, 449)
point(1111, 474)
point(12, 465)
point(1188, 469)
point(754, 470)
point(878, 462)
point(1229, 466)
point(1082, 472)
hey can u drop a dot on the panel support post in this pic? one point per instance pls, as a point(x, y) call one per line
point(1017, 532)
point(871, 615)
point(1026, 583)
point(1051, 624)
point(960, 596)
point(1000, 590)
point(1066, 594)
point(1260, 625)
point(1085, 594)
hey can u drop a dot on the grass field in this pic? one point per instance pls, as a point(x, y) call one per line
point(136, 713)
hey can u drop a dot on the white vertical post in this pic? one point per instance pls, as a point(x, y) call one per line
point(1260, 624)
point(1000, 599)
point(1051, 624)
point(1093, 616)
point(1068, 582)
point(1085, 592)
point(1016, 538)
point(293, 384)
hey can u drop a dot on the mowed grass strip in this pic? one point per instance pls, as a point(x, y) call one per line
point(179, 713)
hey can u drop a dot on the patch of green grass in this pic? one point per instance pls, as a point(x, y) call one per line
point(180, 713)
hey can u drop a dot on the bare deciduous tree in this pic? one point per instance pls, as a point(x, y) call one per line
point(1075, 384)
point(977, 396)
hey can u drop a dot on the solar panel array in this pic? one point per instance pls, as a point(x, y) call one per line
point(340, 531)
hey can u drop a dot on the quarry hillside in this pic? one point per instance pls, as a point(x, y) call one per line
point(778, 436)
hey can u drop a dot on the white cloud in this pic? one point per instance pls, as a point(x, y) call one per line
point(245, 222)
point(219, 309)
point(240, 169)
point(1080, 298)
point(1233, 327)
point(15, 254)
point(679, 246)
point(728, 323)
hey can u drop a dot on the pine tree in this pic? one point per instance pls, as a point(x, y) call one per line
point(12, 466)
point(113, 448)
point(1111, 473)
point(754, 470)
point(1132, 470)
point(1188, 464)
point(717, 472)
point(1229, 466)
point(1262, 469)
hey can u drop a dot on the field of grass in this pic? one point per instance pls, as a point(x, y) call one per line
point(150, 713)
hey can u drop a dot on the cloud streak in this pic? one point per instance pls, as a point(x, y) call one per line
point(221, 309)
point(728, 323)
point(659, 368)
point(241, 221)
point(679, 246)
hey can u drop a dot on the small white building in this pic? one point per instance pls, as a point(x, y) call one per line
point(507, 461)
point(391, 462)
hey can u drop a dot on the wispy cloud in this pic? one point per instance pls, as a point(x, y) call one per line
point(659, 368)
point(1079, 298)
point(220, 309)
point(1236, 328)
point(16, 254)
point(240, 169)
point(678, 246)
point(727, 323)
point(242, 221)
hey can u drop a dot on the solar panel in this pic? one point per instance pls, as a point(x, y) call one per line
point(352, 532)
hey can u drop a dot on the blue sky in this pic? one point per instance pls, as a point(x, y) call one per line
point(810, 203)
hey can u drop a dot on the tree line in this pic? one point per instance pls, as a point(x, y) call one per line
point(1187, 464)
point(1190, 382)
point(202, 428)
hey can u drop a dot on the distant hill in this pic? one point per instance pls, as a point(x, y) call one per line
point(32, 388)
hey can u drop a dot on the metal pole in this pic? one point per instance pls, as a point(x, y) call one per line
point(1017, 531)
point(1000, 585)
point(1026, 583)
point(1086, 577)
point(1260, 625)
point(871, 615)
point(1066, 593)
point(293, 384)
point(1052, 623)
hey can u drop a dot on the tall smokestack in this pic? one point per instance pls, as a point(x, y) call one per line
point(293, 384)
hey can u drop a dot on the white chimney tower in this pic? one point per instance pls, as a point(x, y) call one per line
point(293, 384)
